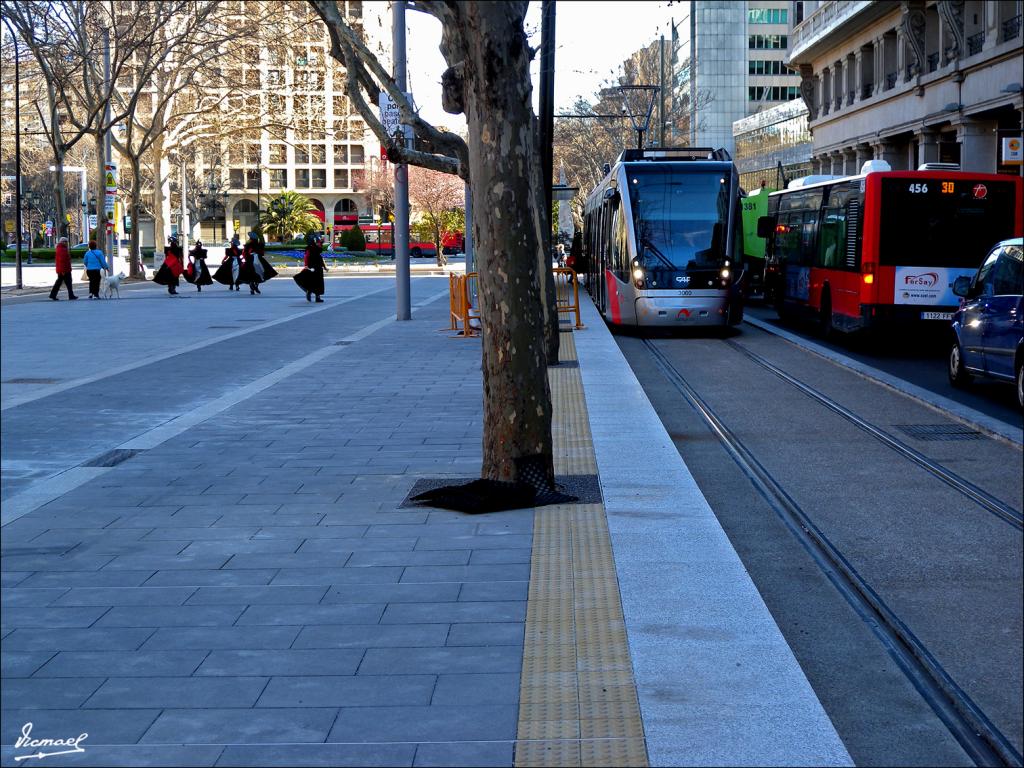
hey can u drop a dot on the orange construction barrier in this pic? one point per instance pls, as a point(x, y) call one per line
point(462, 315)
point(567, 292)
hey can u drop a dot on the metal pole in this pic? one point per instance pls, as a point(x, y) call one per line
point(547, 111)
point(401, 228)
point(17, 161)
point(186, 224)
point(468, 235)
point(661, 93)
point(108, 156)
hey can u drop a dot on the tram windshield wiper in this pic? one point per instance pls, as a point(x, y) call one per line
point(648, 245)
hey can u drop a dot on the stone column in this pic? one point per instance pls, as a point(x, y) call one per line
point(815, 166)
point(858, 75)
point(979, 145)
point(890, 152)
point(928, 146)
point(990, 25)
point(836, 162)
point(879, 64)
point(901, 54)
point(838, 85)
point(850, 167)
point(862, 153)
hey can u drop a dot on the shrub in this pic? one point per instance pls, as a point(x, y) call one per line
point(355, 240)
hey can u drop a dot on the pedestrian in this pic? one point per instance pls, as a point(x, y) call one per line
point(230, 270)
point(63, 263)
point(311, 278)
point(197, 272)
point(172, 267)
point(258, 269)
point(94, 262)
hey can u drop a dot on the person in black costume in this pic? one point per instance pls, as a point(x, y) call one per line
point(229, 272)
point(311, 279)
point(197, 272)
point(261, 269)
point(172, 268)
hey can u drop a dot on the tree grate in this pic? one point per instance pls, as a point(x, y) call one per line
point(936, 432)
point(112, 458)
point(586, 488)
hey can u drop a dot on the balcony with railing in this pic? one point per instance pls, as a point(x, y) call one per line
point(975, 42)
point(1011, 28)
point(822, 22)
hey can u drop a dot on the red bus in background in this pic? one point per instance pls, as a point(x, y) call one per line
point(884, 246)
point(380, 239)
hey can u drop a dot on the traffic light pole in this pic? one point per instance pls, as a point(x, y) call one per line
point(401, 225)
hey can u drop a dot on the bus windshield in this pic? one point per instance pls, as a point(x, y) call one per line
point(679, 217)
point(943, 223)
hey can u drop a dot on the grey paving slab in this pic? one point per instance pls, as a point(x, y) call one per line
point(13, 578)
point(366, 575)
point(91, 639)
point(293, 560)
point(492, 541)
point(310, 615)
point(113, 596)
point(424, 529)
point(54, 562)
point(122, 664)
point(258, 595)
point(172, 616)
point(370, 724)
point(465, 754)
point(493, 633)
point(313, 755)
point(293, 663)
point(241, 726)
point(496, 590)
point(439, 557)
point(211, 638)
point(23, 598)
point(159, 519)
point(22, 663)
point(38, 693)
point(311, 531)
point(56, 617)
point(499, 556)
point(212, 577)
point(234, 546)
point(443, 660)
point(202, 533)
point(131, 755)
point(452, 613)
point(429, 573)
point(392, 593)
point(470, 689)
point(373, 636)
point(177, 692)
point(166, 562)
point(110, 726)
point(86, 579)
point(329, 545)
point(348, 691)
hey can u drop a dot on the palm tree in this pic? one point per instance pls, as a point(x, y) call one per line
point(287, 214)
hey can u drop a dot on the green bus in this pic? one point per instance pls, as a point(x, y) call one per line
point(754, 206)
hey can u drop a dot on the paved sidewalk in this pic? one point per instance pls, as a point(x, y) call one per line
point(246, 588)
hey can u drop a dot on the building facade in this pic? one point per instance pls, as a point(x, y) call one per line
point(911, 82)
point(735, 52)
point(773, 146)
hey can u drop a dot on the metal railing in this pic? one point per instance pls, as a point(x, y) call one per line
point(933, 61)
point(890, 81)
point(1011, 28)
point(974, 43)
point(828, 16)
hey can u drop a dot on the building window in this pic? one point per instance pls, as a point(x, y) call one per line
point(356, 154)
point(341, 178)
point(768, 42)
point(318, 153)
point(302, 178)
point(278, 154)
point(341, 154)
point(275, 78)
point(768, 16)
point(301, 153)
point(319, 178)
point(773, 92)
point(236, 177)
point(252, 179)
point(278, 178)
point(763, 67)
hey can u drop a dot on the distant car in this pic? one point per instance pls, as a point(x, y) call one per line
point(988, 329)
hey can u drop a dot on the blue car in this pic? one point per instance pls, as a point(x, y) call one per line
point(988, 329)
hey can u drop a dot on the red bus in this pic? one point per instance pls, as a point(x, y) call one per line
point(885, 246)
point(379, 238)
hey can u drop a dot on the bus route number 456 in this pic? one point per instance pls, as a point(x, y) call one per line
point(918, 189)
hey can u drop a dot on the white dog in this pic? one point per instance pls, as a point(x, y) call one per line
point(111, 286)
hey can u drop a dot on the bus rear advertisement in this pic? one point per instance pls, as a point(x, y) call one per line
point(885, 246)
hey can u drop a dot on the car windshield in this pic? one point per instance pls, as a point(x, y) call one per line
point(680, 216)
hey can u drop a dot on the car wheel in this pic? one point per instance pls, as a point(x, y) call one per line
point(958, 375)
point(416, 252)
point(1020, 384)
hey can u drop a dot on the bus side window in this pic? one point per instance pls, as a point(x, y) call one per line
point(832, 242)
point(807, 231)
point(787, 237)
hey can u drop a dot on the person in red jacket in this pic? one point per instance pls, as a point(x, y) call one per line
point(63, 271)
point(172, 267)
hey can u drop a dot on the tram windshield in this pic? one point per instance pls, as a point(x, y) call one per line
point(680, 218)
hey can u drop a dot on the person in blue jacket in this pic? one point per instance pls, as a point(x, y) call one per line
point(94, 262)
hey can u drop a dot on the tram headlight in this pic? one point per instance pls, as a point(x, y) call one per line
point(638, 277)
point(725, 273)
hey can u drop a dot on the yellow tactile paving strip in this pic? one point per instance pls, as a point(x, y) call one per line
point(577, 699)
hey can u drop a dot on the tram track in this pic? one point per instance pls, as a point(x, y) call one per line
point(980, 739)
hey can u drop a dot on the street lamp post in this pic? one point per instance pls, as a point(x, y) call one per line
point(88, 223)
point(30, 200)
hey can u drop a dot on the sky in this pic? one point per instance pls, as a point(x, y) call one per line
point(591, 41)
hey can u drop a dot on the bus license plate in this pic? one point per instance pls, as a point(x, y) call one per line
point(936, 315)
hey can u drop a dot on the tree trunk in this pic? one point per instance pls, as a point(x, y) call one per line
point(161, 194)
point(60, 228)
point(101, 199)
point(517, 399)
point(135, 248)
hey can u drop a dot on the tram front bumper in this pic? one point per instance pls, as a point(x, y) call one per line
point(682, 310)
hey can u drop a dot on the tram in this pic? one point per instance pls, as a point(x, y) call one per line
point(663, 239)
